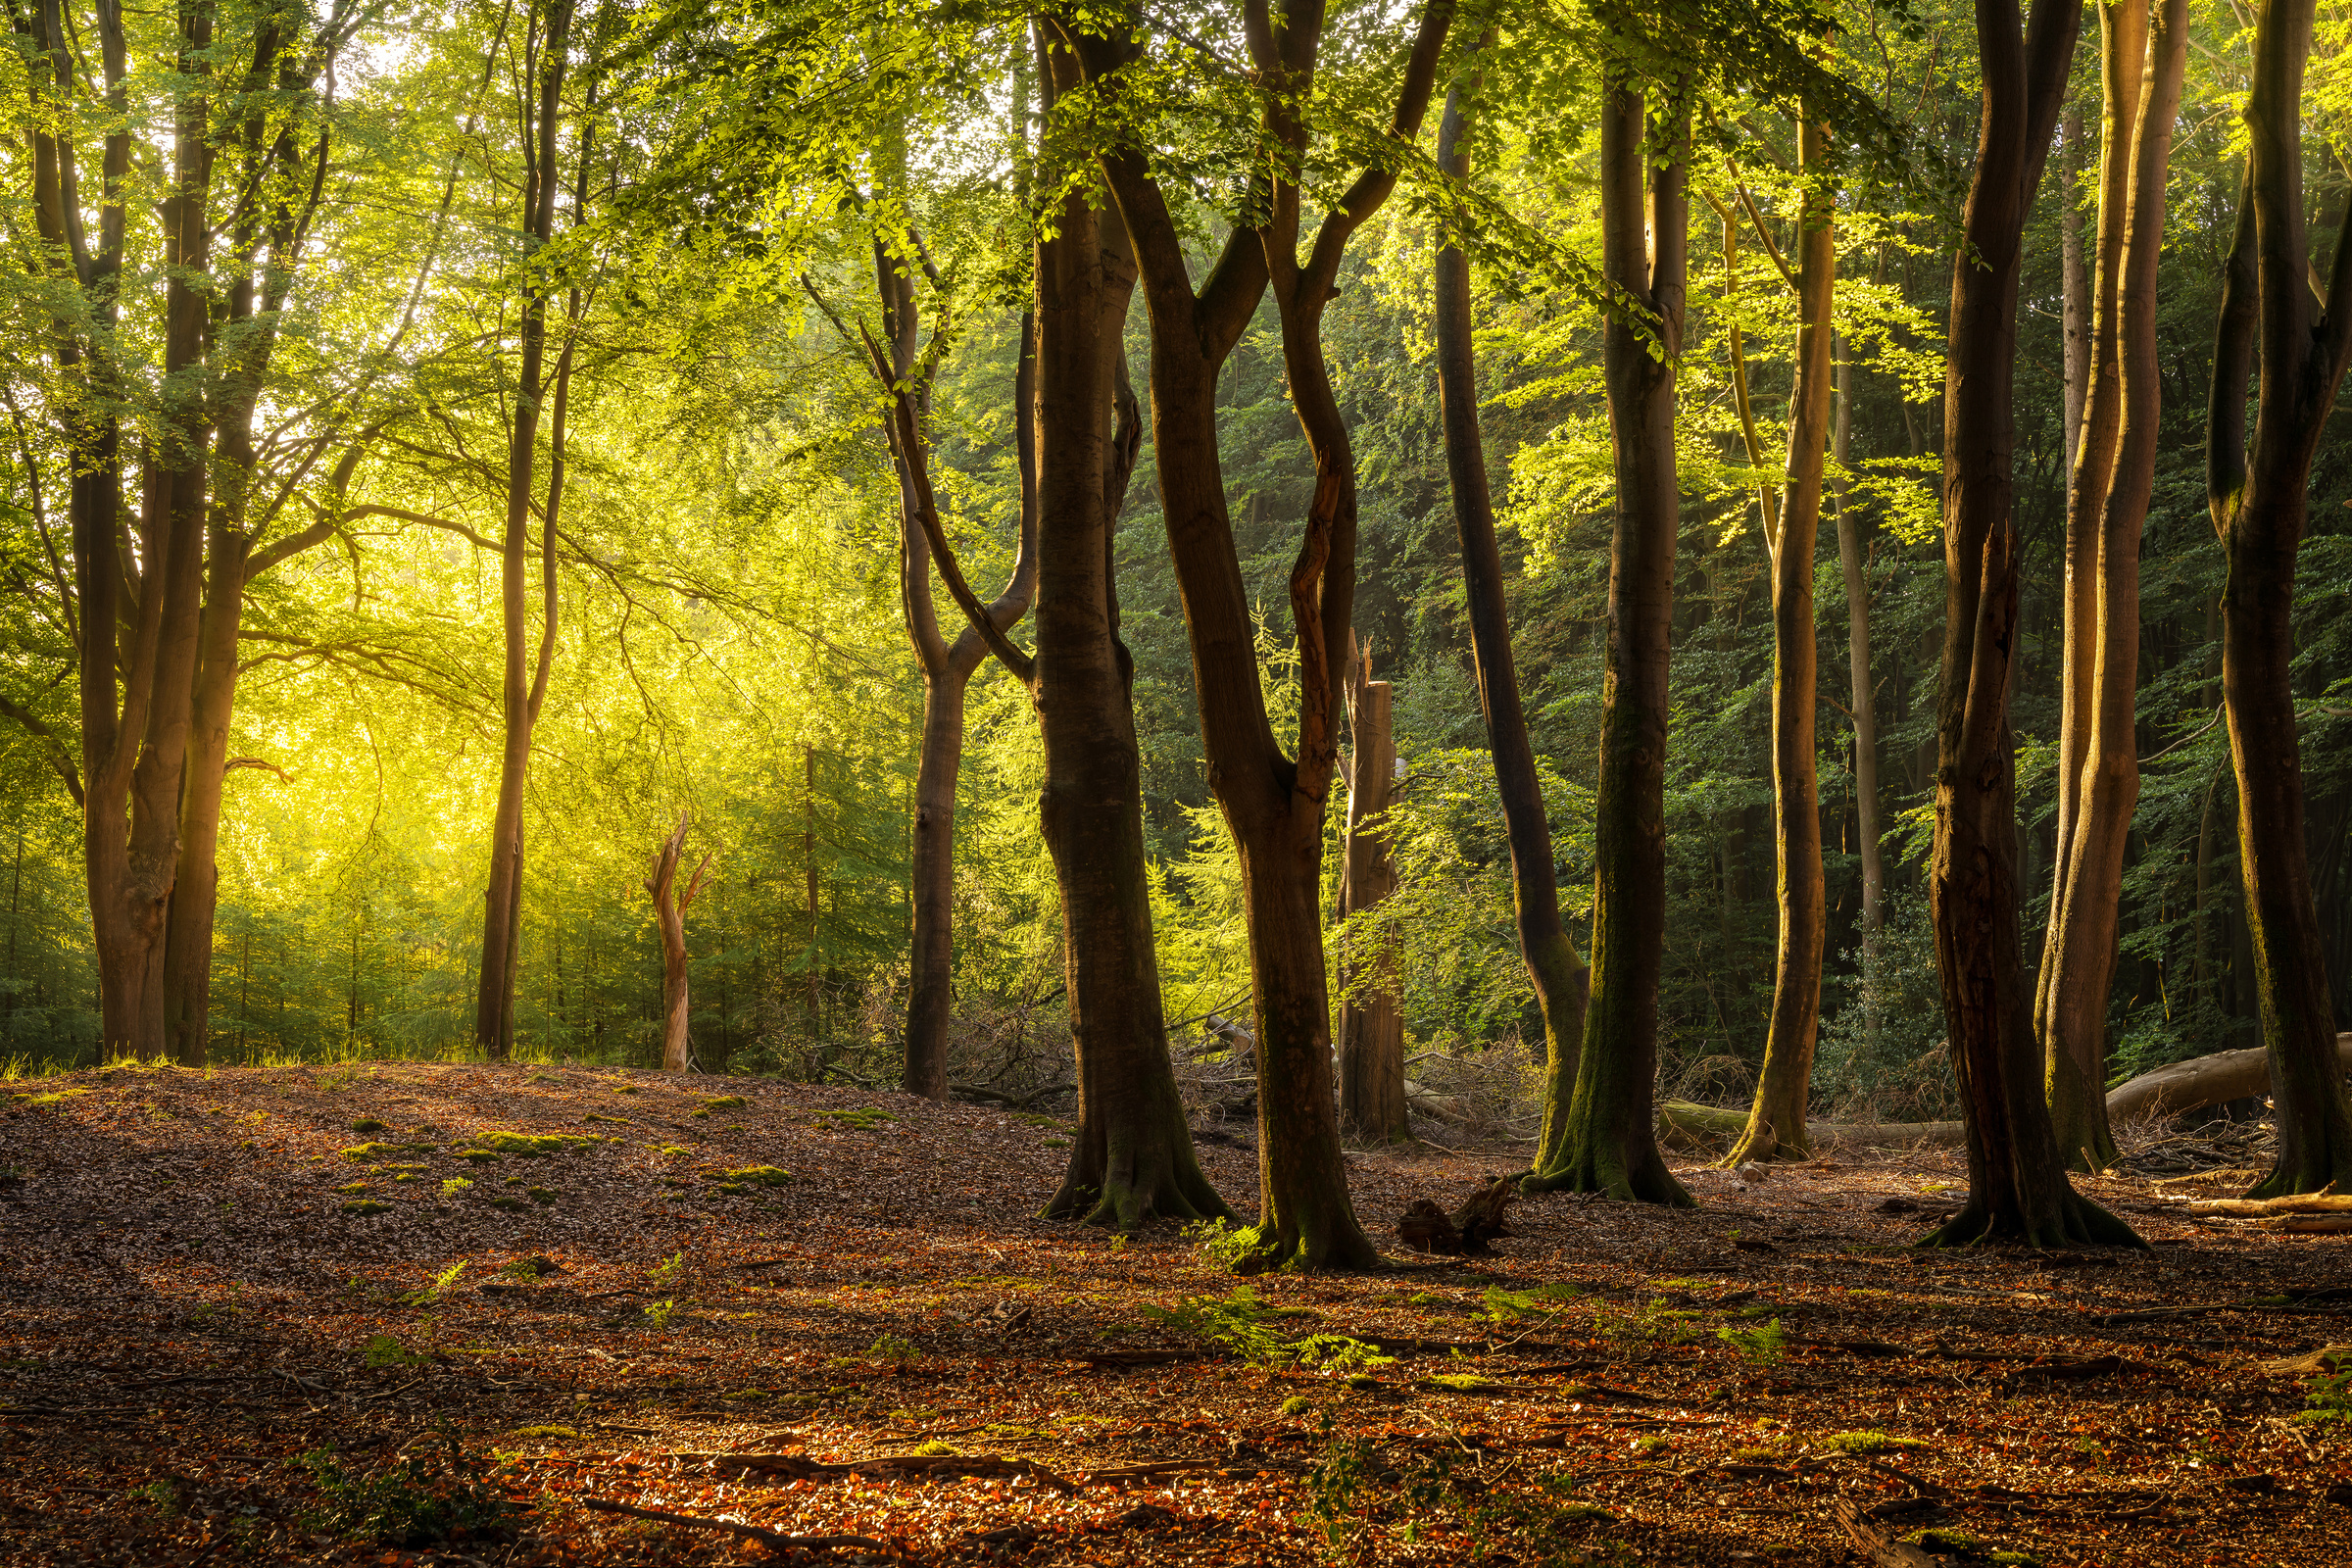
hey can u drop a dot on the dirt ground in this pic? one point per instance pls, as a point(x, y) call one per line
point(463, 1314)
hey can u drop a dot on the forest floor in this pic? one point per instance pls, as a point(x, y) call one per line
point(234, 1328)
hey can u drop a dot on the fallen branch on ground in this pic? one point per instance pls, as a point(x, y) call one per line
point(768, 1538)
point(1879, 1547)
point(886, 1467)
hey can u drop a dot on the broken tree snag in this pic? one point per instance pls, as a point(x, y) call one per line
point(1875, 1544)
point(1372, 1089)
point(1427, 1228)
point(669, 910)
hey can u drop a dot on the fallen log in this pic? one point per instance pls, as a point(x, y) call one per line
point(2168, 1091)
point(2266, 1208)
point(1679, 1119)
point(1428, 1228)
point(2201, 1081)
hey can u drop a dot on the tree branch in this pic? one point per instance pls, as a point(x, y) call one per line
point(51, 744)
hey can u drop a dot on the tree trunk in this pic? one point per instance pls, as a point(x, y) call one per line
point(1554, 969)
point(1371, 1030)
point(1132, 1160)
point(2017, 1182)
point(521, 690)
point(1776, 1123)
point(1273, 802)
point(1605, 1139)
point(946, 667)
point(669, 911)
point(2106, 509)
point(1854, 564)
point(2260, 508)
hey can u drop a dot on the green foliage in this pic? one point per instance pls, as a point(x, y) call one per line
point(382, 1351)
point(2327, 1397)
point(722, 1103)
point(377, 1152)
point(535, 1146)
point(443, 1283)
point(863, 1119)
point(1224, 1244)
point(1763, 1344)
point(412, 1503)
point(1506, 1307)
point(893, 1347)
point(1240, 1323)
point(1865, 1442)
point(760, 1176)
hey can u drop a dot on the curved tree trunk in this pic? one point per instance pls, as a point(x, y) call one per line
point(1776, 1123)
point(1603, 1138)
point(2017, 1182)
point(2260, 510)
point(669, 913)
point(2104, 517)
point(1372, 1103)
point(1554, 969)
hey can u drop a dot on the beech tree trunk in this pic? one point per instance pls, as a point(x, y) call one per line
point(948, 665)
point(669, 912)
point(523, 690)
point(2272, 329)
point(1854, 564)
point(2017, 1182)
point(1372, 1105)
point(1603, 1138)
point(2108, 498)
point(1273, 802)
point(1776, 1123)
point(1554, 968)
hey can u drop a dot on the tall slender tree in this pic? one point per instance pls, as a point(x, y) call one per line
point(2017, 1182)
point(2293, 348)
point(547, 58)
point(1776, 1123)
point(1603, 1138)
point(2108, 493)
point(1554, 969)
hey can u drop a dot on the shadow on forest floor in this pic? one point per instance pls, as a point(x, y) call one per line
point(518, 1315)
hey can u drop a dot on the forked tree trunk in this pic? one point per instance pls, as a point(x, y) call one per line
point(1274, 802)
point(1603, 1138)
point(1776, 1122)
point(948, 665)
point(1132, 1160)
point(1554, 969)
point(1371, 1029)
point(2260, 510)
point(2107, 503)
point(523, 690)
point(2017, 1182)
point(669, 912)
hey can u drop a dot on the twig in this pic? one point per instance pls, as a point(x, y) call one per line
point(771, 1538)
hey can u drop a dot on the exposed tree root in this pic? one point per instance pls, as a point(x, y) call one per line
point(2076, 1222)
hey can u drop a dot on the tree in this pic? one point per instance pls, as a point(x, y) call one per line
point(2107, 503)
point(2017, 1182)
point(1776, 1124)
point(547, 48)
point(2269, 333)
point(1603, 1139)
point(946, 667)
point(1556, 972)
point(1132, 1160)
point(1273, 800)
point(157, 697)
point(1371, 1030)
point(669, 912)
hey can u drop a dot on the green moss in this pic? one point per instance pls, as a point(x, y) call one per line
point(53, 1097)
point(367, 1124)
point(479, 1156)
point(722, 1103)
point(543, 1196)
point(760, 1176)
point(1297, 1405)
point(355, 1187)
point(543, 1432)
point(535, 1146)
point(364, 1205)
point(593, 1116)
point(1461, 1382)
point(1866, 1442)
point(366, 1151)
point(865, 1119)
point(512, 1206)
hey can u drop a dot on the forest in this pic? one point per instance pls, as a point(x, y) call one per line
point(1544, 676)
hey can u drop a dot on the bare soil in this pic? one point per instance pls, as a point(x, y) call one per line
point(221, 1339)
